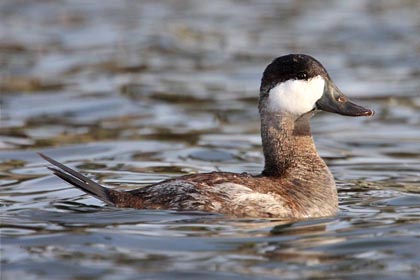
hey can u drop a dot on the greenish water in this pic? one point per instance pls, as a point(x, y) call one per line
point(133, 92)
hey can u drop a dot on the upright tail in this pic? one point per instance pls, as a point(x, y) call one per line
point(109, 196)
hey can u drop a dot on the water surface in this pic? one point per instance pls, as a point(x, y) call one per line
point(135, 92)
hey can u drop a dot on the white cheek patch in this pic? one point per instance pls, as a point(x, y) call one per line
point(296, 96)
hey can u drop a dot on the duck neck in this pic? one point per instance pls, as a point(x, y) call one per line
point(287, 143)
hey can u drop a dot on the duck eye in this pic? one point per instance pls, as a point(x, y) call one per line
point(301, 75)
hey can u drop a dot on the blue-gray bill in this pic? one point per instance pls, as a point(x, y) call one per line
point(334, 101)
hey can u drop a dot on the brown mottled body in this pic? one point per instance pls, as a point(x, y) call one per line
point(295, 183)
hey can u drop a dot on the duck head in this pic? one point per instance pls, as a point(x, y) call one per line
point(296, 84)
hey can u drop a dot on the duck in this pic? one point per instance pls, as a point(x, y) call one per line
point(295, 182)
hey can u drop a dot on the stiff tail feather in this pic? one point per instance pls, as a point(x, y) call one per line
point(109, 196)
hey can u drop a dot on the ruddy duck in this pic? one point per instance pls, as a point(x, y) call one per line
point(295, 182)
